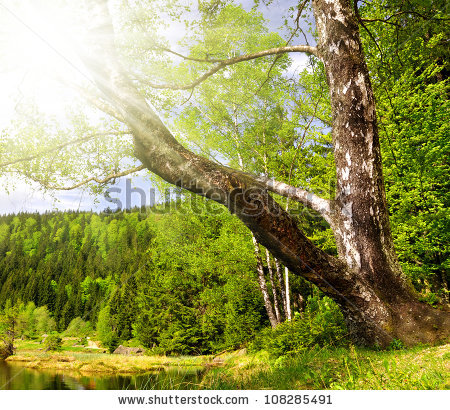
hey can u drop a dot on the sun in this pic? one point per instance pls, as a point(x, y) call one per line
point(37, 54)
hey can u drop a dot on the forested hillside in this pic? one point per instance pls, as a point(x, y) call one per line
point(180, 281)
point(185, 281)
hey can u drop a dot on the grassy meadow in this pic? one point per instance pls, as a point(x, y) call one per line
point(320, 368)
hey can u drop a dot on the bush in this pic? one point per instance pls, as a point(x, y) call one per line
point(6, 349)
point(105, 331)
point(78, 328)
point(43, 321)
point(53, 342)
point(321, 324)
point(113, 343)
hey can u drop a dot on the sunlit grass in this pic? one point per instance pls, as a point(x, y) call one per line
point(31, 354)
point(354, 368)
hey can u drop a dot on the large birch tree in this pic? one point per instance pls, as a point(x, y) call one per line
point(366, 280)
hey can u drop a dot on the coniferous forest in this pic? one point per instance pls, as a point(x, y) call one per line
point(181, 281)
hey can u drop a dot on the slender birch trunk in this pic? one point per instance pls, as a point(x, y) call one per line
point(262, 284)
point(282, 288)
point(276, 303)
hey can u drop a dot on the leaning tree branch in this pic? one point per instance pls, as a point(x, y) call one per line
point(111, 177)
point(60, 147)
point(98, 103)
point(198, 60)
point(235, 60)
point(313, 201)
point(152, 139)
point(161, 153)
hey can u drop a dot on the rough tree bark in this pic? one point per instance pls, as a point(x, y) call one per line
point(366, 280)
point(360, 217)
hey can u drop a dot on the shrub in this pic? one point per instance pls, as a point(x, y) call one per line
point(105, 331)
point(53, 342)
point(113, 343)
point(6, 349)
point(321, 324)
point(396, 344)
point(43, 321)
point(78, 328)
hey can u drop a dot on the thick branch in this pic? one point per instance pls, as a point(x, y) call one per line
point(235, 60)
point(242, 194)
point(318, 204)
point(97, 102)
point(110, 177)
point(198, 60)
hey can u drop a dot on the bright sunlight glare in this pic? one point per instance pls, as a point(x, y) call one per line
point(38, 57)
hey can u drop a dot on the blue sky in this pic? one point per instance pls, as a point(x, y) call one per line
point(26, 198)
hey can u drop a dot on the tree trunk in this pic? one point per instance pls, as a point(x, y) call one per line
point(284, 290)
point(263, 286)
point(288, 294)
point(366, 280)
point(276, 303)
point(360, 218)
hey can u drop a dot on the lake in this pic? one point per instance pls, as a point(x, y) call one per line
point(16, 377)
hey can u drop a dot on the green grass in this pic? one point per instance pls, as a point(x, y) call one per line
point(321, 368)
point(353, 368)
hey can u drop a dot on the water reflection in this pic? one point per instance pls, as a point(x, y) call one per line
point(16, 377)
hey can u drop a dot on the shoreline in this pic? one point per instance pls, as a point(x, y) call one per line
point(104, 363)
point(353, 368)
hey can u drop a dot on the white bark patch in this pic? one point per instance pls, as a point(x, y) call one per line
point(357, 257)
point(346, 190)
point(371, 211)
point(348, 212)
point(353, 44)
point(368, 167)
point(334, 48)
point(331, 78)
point(352, 256)
point(345, 173)
point(339, 15)
point(361, 83)
point(347, 157)
point(346, 87)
